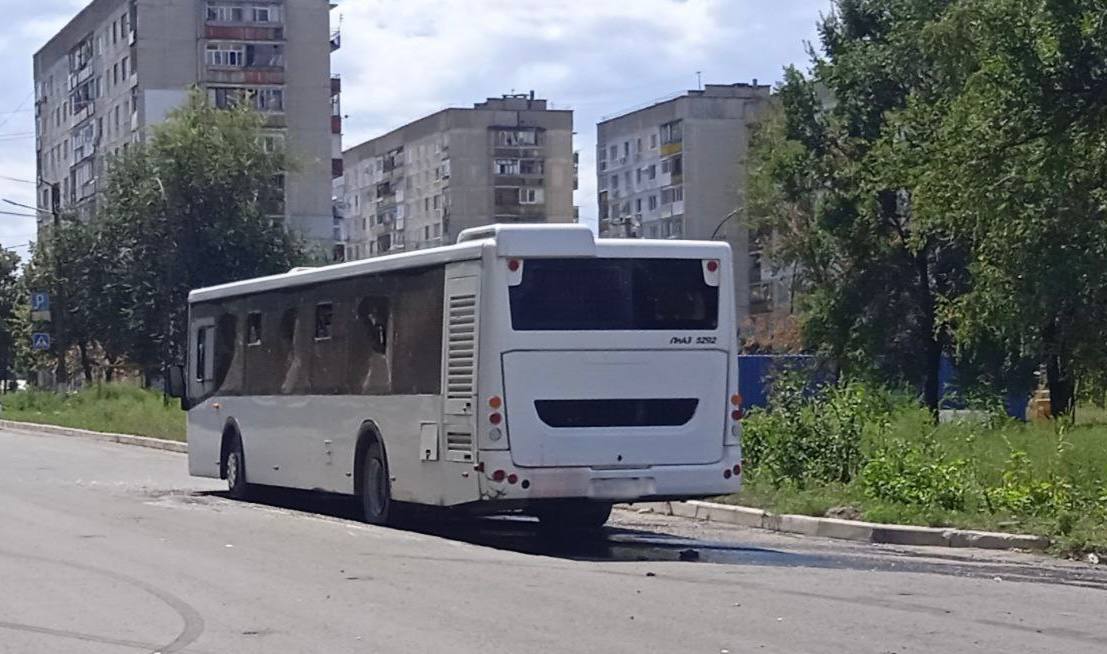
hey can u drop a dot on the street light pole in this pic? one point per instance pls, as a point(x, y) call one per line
point(723, 222)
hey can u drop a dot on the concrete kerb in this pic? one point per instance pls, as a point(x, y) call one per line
point(123, 439)
point(855, 530)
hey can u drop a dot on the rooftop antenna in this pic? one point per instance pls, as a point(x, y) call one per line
point(699, 80)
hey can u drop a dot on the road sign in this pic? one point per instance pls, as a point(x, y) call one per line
point(40, 301)
point(40, 341)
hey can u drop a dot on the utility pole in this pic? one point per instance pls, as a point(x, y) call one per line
point(61, 373)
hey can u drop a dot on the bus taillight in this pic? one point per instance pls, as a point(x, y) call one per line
point(495, 418)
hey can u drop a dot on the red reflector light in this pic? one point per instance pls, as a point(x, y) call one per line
point(726, 473)
point(513, 265)
point(736, 414)
point(512, 478)
point(495, 418)
point(737, 468)
point(712, 266)
point(495, 402)
point(498, 475)
point(736, 399)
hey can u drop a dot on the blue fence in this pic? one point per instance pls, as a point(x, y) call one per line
point(755, 375)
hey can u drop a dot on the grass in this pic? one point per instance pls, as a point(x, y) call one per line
point(1067, 461)
point(118, 408)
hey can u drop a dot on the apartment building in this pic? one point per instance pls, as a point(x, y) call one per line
point(677, 169)
point(120, 66)
point(508, 159)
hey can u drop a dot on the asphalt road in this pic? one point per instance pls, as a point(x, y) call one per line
point(109, 548)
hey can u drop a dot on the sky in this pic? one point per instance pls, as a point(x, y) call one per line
point(403, 59)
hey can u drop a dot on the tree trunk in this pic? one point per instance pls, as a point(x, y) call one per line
point(932, 346)
point(86, 362)
point(1059, 379)
point(1062, 387)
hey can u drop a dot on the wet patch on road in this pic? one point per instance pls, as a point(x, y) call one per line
point(524, 535)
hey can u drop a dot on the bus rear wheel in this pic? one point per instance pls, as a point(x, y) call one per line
point(574, 514)
point(234, 468)
point(376, 488)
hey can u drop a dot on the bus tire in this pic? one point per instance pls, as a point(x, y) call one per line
point(376, 487)
point(574, 514)
point(234, 469)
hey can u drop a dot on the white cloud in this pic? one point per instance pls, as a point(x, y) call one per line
point(401, 61)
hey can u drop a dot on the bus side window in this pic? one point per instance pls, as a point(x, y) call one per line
point(253, 328)
point(370, 366)
point(293, 360)
point(201, 353)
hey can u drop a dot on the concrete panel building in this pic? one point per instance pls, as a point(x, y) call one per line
point(677, 169)
point(120, 66)
point(507, 159)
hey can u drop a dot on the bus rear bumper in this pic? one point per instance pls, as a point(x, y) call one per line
point(667, 482)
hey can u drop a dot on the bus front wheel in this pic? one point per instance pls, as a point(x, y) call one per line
point(570, 514)
point(376, 488)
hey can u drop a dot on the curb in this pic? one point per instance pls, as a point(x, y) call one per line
point(122, 439)
point(855, 530)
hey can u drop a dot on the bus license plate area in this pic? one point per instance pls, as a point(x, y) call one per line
point(621, 487)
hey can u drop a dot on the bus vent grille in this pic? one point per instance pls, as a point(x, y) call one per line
point(459, 445)
point(460, 360)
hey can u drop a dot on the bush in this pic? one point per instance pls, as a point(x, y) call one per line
point(815, 434)
point(918, 474)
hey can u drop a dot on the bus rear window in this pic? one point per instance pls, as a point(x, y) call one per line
point(613, 294)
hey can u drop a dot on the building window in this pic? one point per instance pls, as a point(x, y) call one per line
point(653, 146)
point(123, 67)
point(676, 165)
point(653, 171)
point(437, 230)
point(114, 32)
point(626, 148)
point(324, 321)
point(226, 54)
point(672, 194)
point(652, 203)
point(638, 176)
point(614, 181)
point(614, 152)
point(672, 133)
point(531, 166)
point(531, 196)
point(638, 205)
point(514, 137)
point(506, 167)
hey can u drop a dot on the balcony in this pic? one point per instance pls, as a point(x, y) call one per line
point(247, 76)
point(336, 40)
point(336, 85)
point(244, 33)
point(336, 124)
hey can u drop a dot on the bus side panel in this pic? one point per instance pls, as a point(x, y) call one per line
point(309, 442)
point(205, 431)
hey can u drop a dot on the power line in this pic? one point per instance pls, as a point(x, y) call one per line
point(16, 179)
point(21, 215)
point(18, 108)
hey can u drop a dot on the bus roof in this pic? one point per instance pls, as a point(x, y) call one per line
point(508, 240)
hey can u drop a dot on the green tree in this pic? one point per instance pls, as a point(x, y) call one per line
point(195, 205)
point(833, 178)
point(1018, 173)
point(192, 207)
point(10, 300)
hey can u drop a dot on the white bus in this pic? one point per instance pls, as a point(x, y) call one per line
point(526, 369)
